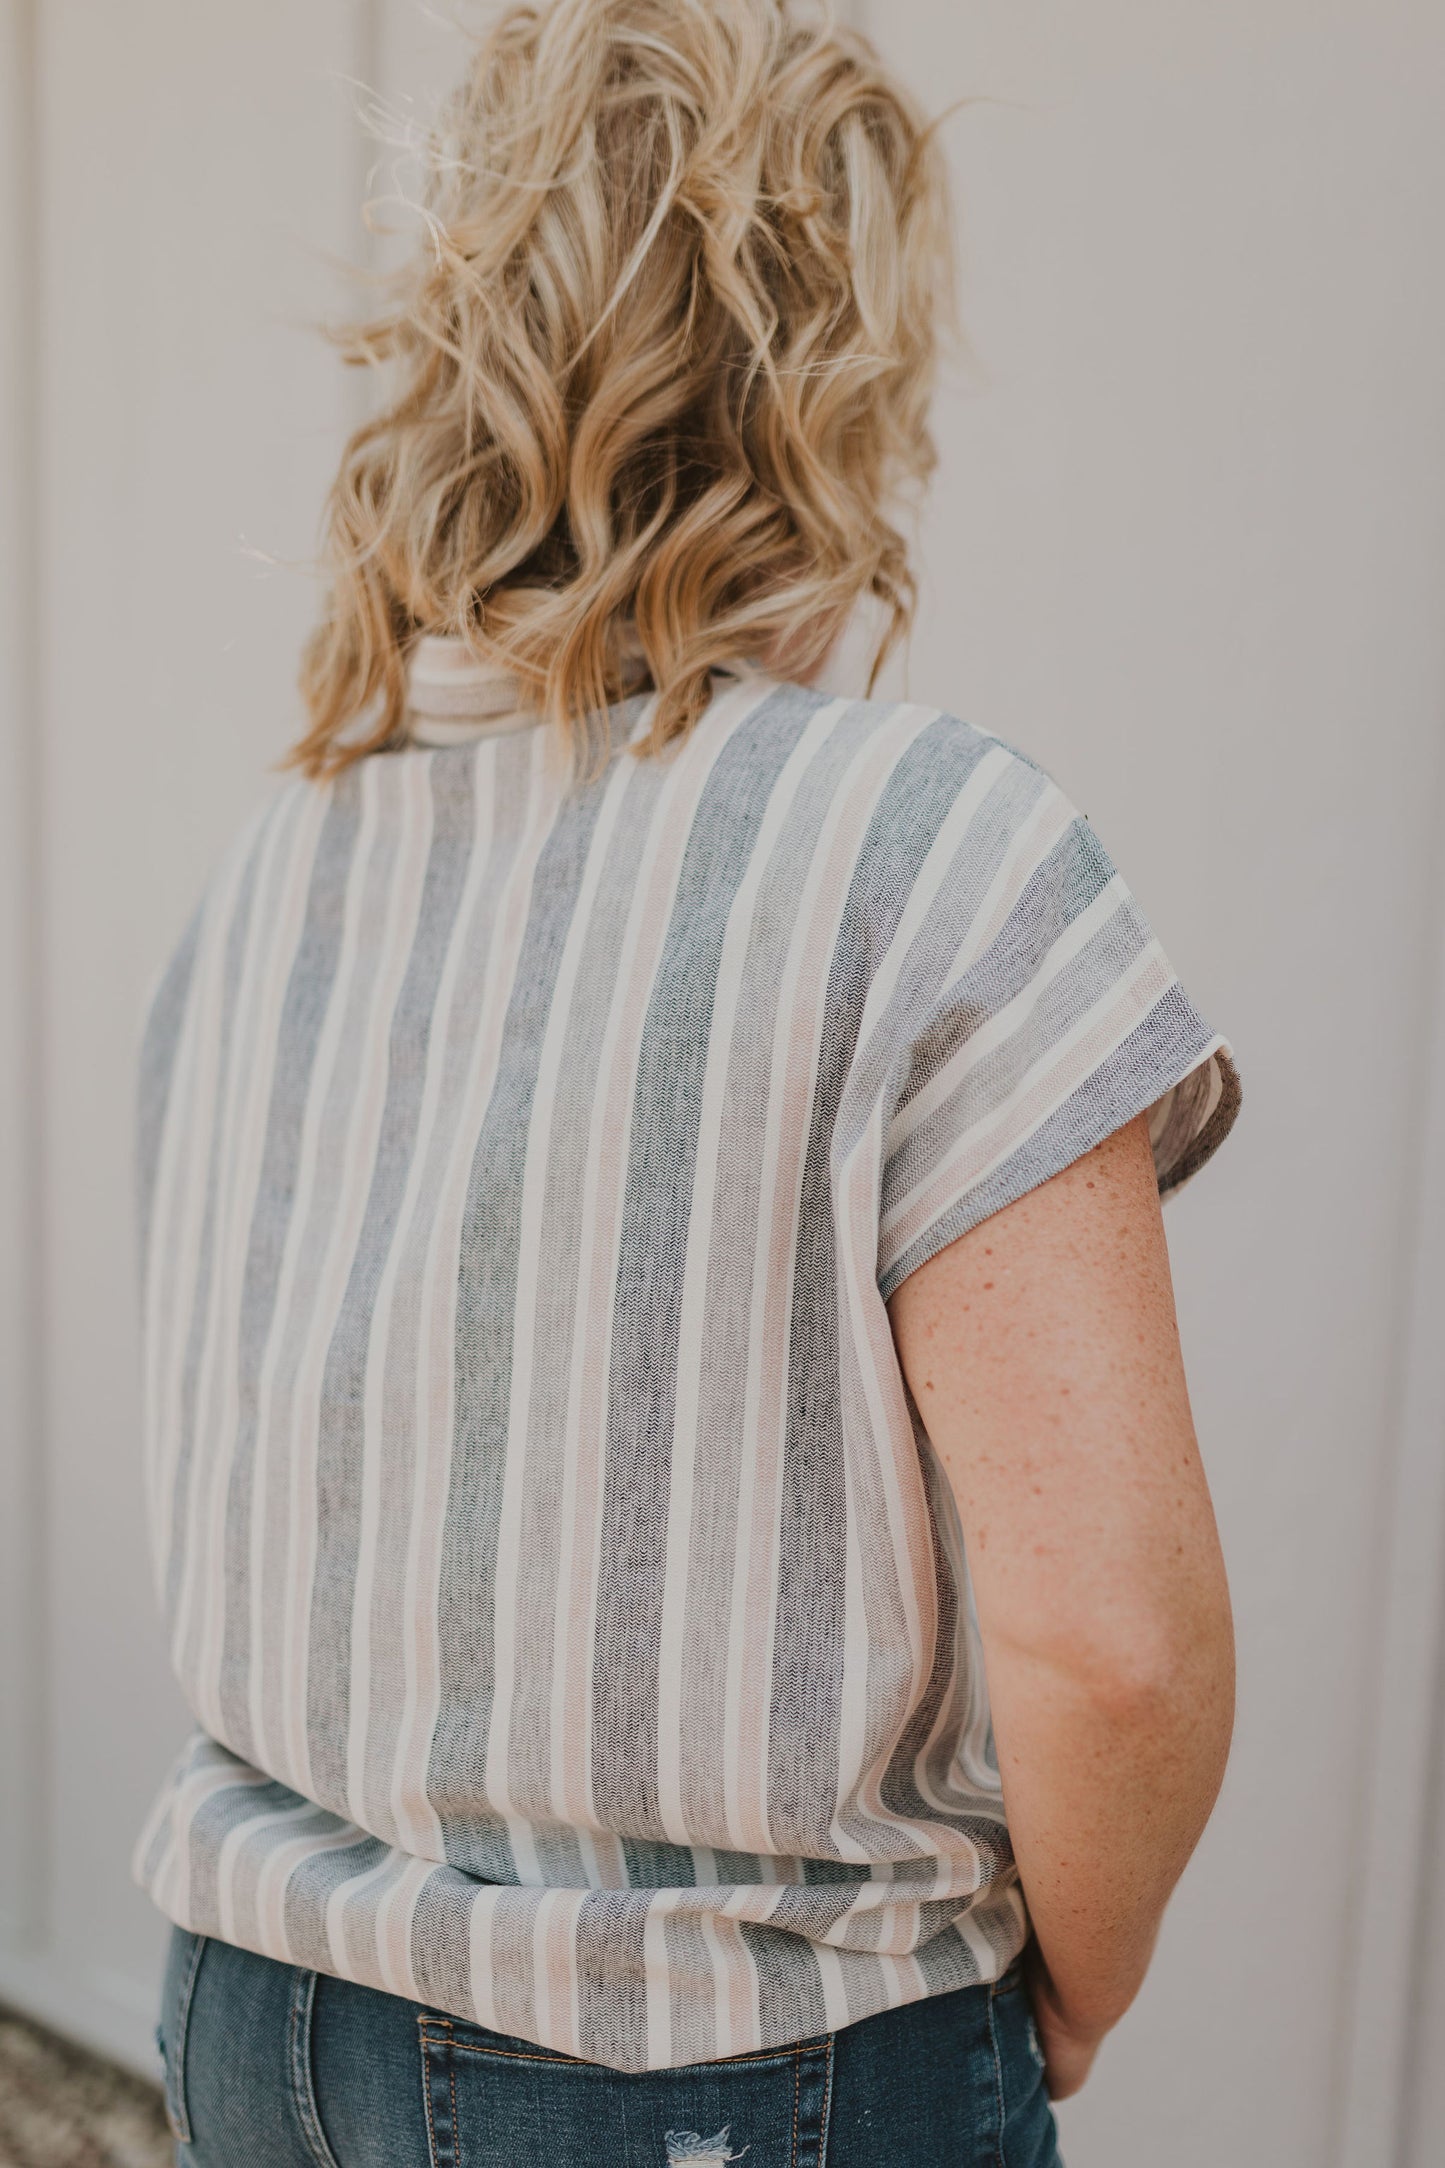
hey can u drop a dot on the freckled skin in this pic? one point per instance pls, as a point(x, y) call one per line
point(1100, 1590)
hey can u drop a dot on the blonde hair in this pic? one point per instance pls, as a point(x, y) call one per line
point(662, 363)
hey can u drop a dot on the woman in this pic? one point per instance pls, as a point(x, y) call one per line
point(653, 1278)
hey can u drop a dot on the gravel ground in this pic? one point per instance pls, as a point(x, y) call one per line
point(62, 2108)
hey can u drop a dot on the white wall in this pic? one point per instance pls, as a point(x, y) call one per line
point(20, 1698)
point(1188, 548)
point(186, 168)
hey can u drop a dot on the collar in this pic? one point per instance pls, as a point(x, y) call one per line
point(452, 697)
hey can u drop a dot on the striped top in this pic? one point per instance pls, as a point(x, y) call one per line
point(573, 1610)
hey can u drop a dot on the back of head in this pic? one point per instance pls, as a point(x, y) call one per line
point(657, 372)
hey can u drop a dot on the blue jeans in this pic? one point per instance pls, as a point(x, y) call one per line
point(271, 2067)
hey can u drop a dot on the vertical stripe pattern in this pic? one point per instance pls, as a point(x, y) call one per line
point(574, 1615)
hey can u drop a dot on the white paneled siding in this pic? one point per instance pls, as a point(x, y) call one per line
point(187, 172)
point(21, 1652)
point(1187, 547)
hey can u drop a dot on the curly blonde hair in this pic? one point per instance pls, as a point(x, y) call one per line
point(661, 366)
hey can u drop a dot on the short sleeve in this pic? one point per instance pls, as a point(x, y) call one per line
point(1036, 1014)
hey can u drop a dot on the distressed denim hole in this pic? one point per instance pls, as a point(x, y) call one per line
point(686, 2145)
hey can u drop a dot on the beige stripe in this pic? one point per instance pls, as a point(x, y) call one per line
point(276, 1872)
point(235, 1842)
point(660, 858)
point(1000, 1026)
point(480, 1968)
point(436, 1374)
point(275, 918)
point(1058, 1073)
point(326, 1295)
point(392, 965)
point(790, 1096)
point(177, 1214)
point(171, 1887)
point(531, 1235)
point(274, 1444)
point(672, 1718)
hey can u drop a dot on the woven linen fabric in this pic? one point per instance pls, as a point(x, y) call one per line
point(574, 1613)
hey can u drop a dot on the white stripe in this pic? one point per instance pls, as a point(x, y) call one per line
point(395, 1916)
point(1115, 1005)
point(274, 1878)
point(1003, 1023)
point(513, 1947)
point(660, 861)
point(480, 1969)
point(413, 1816)
point(953, 833)
point(697, 1251)
point(234, 1843)
point(258, 1034)
point(214, 1402)
point(835, 1995)
point(438, 1307)
point(344, 1215)
point(657, 1980)
point(172, 1886)
point(530, 1235)
point(392, 966)
point(339, 1903)
point(795, 1052)
point(274, 1440)
point(169, 1327)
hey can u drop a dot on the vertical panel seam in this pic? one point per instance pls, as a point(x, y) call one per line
point(29, 1649)
point(1397, 1804)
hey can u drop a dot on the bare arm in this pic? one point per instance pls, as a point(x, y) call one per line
point(1043, 1353)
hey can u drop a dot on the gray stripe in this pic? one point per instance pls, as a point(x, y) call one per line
point(441, 1941)
point(947, 1962)
point(286, 1423)
point(611, 1978)
point(1165, 1047)
point(946, 755)
point(865, 1987)
point(157, 1062)
point(728, 1357)
point(215, 1818)
point(808, 1642)
point(513, 1983)
point(900, 1789)
point(308, 995)
point(662, 1152)
point(496, 790)
point(341, 1439)
point(309, 1890)
point(658, 1866)
point(691, 2012)
point(285, 1316)
point(200, 1295)
point(790, 1986)
point(486, 1298)
point(738, 1867)
point(250, 1860)
point(918, 1020)
point(1055, 1009)
point(568, 1129)
point(360, 1913)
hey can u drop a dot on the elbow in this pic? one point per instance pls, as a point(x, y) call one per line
point(1159, 1681)
point(1161, 1676)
